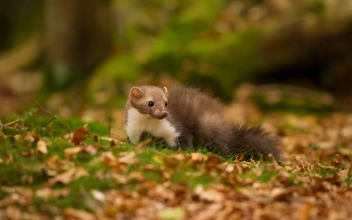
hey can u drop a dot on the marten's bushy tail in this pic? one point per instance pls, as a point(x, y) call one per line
point(253, 141)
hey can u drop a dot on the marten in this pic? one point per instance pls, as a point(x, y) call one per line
point(189, 118)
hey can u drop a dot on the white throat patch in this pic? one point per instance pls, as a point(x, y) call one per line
point(137, 123)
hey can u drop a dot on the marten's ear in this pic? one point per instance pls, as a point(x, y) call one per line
point(165, 90)
point(136, 92)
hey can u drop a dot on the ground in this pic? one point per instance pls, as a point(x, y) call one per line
point(82, 168)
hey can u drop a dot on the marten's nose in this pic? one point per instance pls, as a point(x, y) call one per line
point(163, 114)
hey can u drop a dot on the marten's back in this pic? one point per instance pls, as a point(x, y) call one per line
point(201, 117)
point(192, 105)
point(199, 114)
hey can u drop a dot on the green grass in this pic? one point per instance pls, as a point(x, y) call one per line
point(23, 166)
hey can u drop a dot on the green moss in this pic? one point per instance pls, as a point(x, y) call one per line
point(266, 176)
point(193, 177)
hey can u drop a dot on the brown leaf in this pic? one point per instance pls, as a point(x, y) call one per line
point(171, 161)
point(42, 147)
point(304, 212)
point(71, 213)
point(196, 158)
point(13, 213)
point(80, 135)
point(128, 158)
point(9, 159)
point(166, 175)
point(119, 178)
point(211, 195)
point(179, 150)
point(108, 157)
point(52, 164)
point(213, 162)
point(326, 166)
point(337, 160)
point(161, 171)
point(142, 146)
point(111, 210)
point(109, 160)
point(44, 193)
point(98, 195)
point(48, 193)
point(27, 154)
point(31, 137)
point(137, 176)
point(69, 176)
point(172, 213)
point(239, 158)
point(80, 172)
point(283, 177)
point(64, 178)
point(279, 193)
point(199, 157)
point(91, 149)
point(72, 151)
point(274, 162)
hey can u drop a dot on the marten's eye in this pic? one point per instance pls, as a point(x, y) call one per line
point(165, 104)
point(150, 103)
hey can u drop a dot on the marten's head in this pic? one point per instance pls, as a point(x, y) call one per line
point(149, 100)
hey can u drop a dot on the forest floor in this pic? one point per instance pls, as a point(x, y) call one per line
point(82, 168)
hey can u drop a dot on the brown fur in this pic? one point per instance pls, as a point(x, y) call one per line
point(199, 120)
point(140, 96)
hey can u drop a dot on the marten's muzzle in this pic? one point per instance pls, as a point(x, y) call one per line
point(160, 115)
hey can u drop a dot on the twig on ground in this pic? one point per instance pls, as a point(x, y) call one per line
point(50, 120)
point(12, 123)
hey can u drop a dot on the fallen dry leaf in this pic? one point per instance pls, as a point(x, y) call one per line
point(76, 214)
point(142, 146)
point(80, 172)
point(54, 165)
point(109, 160)
point(98, 195)
point(91, 149)
point(9, 159)
point(13, 213)
point(211, 195)
point(80, 135)
point(198, 157)
point(119, 178)
point(31, 137)
point(42, 147)
point(64, 178)
point(304, 212)
point(72, 151)
point(172, 213)
point(27, 154)
point(137, 176)
point(49, 193)
point(280, 193)
point(69, 176)
point(127, 158)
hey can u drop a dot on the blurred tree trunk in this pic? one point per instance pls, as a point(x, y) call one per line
point(78, 36)
point(320, 60)
point(18, 20)
point(5, 23)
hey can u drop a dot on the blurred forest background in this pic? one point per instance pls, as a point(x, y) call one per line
point(78, 53)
